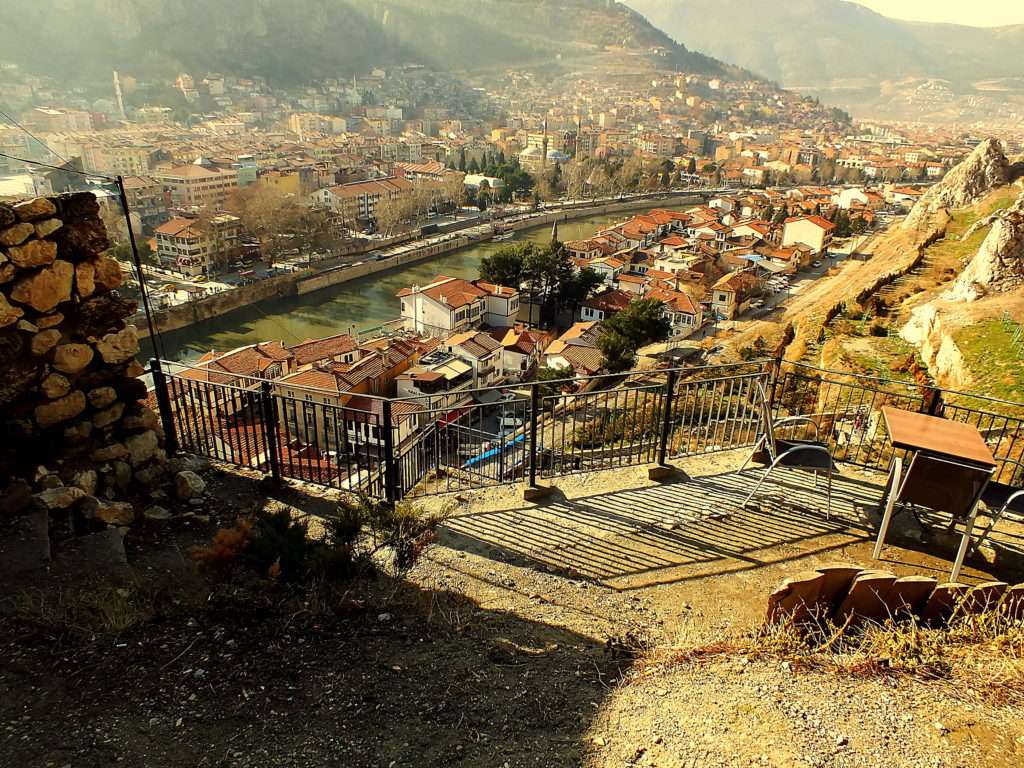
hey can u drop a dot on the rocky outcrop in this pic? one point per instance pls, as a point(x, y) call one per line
point(999, 263)
point(984, 169)
point(939, 352)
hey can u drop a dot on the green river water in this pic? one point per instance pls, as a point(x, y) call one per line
point(366, 302)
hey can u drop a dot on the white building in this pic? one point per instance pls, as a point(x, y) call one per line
point(812, 231)
point(448, 305)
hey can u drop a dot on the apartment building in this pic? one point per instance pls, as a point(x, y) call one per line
point(198, 184)
point(196, 247)
point(356, 202)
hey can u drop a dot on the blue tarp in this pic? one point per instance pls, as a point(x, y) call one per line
point(493, 452)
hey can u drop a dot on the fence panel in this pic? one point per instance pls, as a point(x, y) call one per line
point(476, 438)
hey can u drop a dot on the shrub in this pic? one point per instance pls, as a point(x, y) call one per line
point(363, 535)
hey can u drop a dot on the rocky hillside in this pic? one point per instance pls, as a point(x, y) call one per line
point(301, 40)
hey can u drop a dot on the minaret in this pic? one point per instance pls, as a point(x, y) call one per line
point(119, 96)
point(544, 146)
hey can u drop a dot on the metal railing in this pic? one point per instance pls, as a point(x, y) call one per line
point(395, 448)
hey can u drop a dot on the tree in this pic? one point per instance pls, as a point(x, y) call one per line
point(574, 291)
point(691, 166)
point(453, 188)
point(505, 266)
point(462, 159)
point(643, 322)
point(474, 166)
point(618, 352)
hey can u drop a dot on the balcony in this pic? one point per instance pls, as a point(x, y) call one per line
point(594, 440)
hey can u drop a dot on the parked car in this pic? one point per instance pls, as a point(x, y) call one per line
point(816, 263)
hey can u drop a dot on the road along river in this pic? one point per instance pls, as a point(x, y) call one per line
point(365, 302)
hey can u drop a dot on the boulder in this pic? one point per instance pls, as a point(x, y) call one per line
point(144, 418)
point(27, 327)
point(103, 314)
point(35, 253)
point(942, 603)
point(119, 347)
point(7, 216)
point(110, 452)
point(85, 279)
point(61, 409)
point(44, 341)
point(107, 273)
point(55, 385)
point(86, 480)
point(72, 358)
point(7, 273)
point(101, 397)
point(109, 416)
point(58, 498)
point(866, 598)
point(998, 265)
point(50, 320)
point(188, 485)
point(48, 227)
point(38, 208)
point(9, 314)
point(141, 447)
point(45, 289)
point(17, 234)
point(113, 513)
point(156, 514)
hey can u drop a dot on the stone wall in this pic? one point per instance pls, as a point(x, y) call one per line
point(80, 447)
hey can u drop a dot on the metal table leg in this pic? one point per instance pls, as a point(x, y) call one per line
point(896, 476)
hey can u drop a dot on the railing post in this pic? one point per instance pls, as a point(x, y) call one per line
point(390, 491)
point(270, 429)
point(534, 418)
point(666, 417)
point(163, 402)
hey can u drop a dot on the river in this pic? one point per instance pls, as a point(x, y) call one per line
point(365, 303)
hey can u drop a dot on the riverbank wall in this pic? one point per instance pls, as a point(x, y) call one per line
point(307, 281)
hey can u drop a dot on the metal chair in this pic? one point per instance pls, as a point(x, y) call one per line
point(798, 454)
point(1004, 497)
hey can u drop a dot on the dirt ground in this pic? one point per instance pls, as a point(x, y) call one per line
point(527, 637)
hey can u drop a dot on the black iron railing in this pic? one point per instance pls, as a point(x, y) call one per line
point(394, 448)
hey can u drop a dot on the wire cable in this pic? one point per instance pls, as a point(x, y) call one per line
point(31, 135)
point(87, 174)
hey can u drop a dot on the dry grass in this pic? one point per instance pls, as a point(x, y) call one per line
point(976, 657)
point(89, 609)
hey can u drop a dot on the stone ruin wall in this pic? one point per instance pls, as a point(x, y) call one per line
point(79, 446)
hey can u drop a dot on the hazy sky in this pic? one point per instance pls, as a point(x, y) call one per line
point(978, 13)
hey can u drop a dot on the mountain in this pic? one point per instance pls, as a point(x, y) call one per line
point(295, 41)
point(839, 44)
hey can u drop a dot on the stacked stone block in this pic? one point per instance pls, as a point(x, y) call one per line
point(78, 440)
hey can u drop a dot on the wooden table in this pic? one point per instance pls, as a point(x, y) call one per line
point(941, 438)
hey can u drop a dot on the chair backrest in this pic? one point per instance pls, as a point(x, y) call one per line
point(760, 396)
point(943, 484)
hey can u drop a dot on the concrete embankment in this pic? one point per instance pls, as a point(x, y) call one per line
point(308, 281)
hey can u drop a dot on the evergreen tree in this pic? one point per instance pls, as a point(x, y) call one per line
point(462, 159)
point(473, 167)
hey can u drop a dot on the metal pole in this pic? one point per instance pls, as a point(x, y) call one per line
point(163, 402)
point(666, 417)
point(157, 345)
point(534, 409)
point(270, 429)
point(390, 491)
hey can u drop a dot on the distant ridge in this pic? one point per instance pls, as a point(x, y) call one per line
point(807, 43)
point(296, 41)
